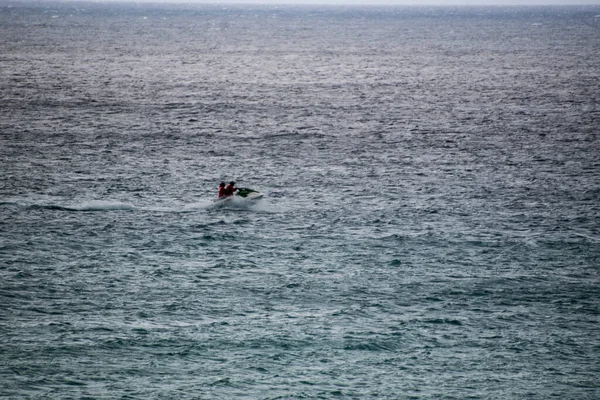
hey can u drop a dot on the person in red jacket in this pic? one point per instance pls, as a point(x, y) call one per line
point(230, 189)
point(222, 190)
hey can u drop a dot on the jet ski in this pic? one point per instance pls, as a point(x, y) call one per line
point(242, 194)
point(249, 194)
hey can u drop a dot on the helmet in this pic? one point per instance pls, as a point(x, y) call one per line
point(222, 184)
point(232, 183)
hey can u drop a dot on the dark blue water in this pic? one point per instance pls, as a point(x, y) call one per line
point(430, 221)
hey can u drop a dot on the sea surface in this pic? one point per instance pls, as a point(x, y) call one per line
point(430, 226)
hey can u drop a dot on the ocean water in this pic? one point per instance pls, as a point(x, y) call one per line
point(430, 221)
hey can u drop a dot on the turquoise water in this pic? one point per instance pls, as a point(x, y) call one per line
point(429, 226)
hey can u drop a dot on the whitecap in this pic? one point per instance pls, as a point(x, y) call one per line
point(100, 205)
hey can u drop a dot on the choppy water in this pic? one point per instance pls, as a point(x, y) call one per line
point(430, 226)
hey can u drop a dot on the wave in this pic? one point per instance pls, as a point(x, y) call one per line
point(87, 206)
point(200, 205)
point(100, 205)
point(242, 204)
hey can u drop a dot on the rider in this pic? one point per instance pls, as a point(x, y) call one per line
point(222, 190)
point(230, 189)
